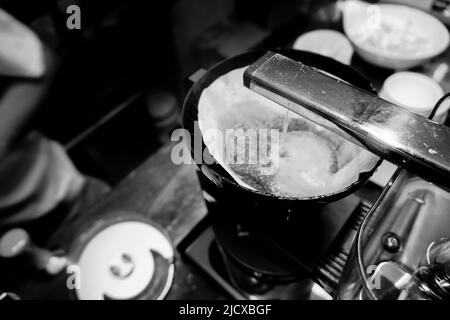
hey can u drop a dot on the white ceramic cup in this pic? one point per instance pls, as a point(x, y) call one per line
point(413, 91)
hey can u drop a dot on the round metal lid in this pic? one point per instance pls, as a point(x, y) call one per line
point(124, 260)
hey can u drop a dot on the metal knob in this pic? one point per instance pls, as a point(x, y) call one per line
point(17, 242)
point(14, 242)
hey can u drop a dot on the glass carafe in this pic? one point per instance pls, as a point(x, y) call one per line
point(402, 249)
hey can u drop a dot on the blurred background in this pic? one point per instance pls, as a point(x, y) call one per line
point(83, 108)
point(119, 80)
point(90, 89)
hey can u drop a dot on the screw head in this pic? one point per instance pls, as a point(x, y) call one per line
point(391, 243)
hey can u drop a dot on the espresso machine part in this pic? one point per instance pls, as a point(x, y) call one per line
point(397, 228)
point(406, 139)
point(391, 281)
point(418, 265)
point(434, 269)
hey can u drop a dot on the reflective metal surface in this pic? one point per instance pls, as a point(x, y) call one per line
point(416, 214)
point(404, 138)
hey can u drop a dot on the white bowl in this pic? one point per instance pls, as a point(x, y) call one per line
point(393, 36)
point(329, 43)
